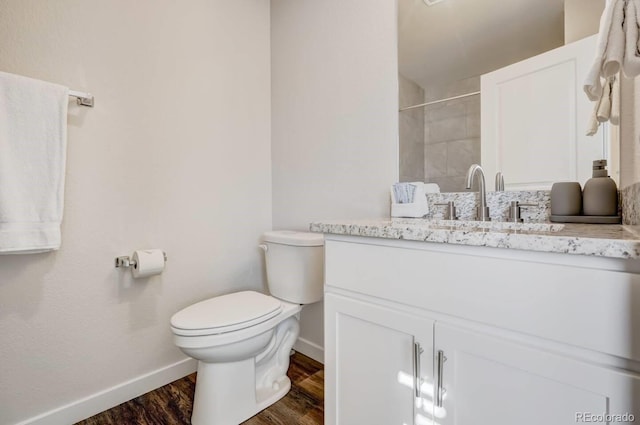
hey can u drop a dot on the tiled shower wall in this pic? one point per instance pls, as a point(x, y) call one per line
point(452, 134)
point(411, 127)
point(438, 143)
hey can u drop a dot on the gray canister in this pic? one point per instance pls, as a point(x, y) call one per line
point(566, 198)
point(600, 194)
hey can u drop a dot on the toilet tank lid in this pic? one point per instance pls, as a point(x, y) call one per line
point(292, 237)
point(227, 312)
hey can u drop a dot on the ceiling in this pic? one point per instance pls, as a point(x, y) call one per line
point(457, 39)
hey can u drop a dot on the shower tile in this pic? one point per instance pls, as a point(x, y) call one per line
point(447, 129)
point(435, 160)
point(460, 155)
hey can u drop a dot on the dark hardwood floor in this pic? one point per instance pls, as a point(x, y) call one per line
point(172, 404)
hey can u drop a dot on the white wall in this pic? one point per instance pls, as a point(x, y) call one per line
point(334, 116)
point(629, 132)
point(175, 155)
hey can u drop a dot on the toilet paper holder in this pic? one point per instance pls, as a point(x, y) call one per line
point(127, 261)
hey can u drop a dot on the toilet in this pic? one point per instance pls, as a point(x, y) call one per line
point(243, 340)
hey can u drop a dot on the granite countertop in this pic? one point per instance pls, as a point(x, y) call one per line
point(602, 240)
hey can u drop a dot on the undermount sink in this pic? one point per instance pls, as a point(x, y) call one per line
point(480, 225)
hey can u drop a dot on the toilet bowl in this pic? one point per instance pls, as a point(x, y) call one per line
point(242, 340)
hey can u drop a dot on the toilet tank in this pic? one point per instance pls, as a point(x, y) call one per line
point(295, 265)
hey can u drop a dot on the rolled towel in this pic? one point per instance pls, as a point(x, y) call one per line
point(607, 108)
point(592, 83)
point(604, 106)
point(615, 51)
point(593, 123)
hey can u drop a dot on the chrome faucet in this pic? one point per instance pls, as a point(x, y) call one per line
point(482, 213)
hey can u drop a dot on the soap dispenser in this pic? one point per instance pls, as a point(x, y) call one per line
point(600, 193)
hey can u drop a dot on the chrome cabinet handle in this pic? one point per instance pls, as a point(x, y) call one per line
point(417, 351)
point(439, 390)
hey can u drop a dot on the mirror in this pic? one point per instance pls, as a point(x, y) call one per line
point(444, 47)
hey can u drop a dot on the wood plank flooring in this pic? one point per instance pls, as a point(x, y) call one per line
point(172, 404)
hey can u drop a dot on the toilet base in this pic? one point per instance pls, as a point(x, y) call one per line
point(229, 393)
point(213, 405)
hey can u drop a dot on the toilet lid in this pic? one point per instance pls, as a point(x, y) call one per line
point(225, 313)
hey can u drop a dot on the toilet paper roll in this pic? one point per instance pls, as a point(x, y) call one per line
point(148, 262)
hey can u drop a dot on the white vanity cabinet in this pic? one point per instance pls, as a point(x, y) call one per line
point(508, 337)
point(381, 357)
point(491, 380)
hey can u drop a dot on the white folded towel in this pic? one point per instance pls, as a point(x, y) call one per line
point(403, 192)
point(33, 135)
point(431, 188)
point(403, 205)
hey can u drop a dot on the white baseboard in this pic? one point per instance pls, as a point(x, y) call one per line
point(111, 397)
point(310, 349)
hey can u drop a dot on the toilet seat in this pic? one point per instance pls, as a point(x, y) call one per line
point(226, 313)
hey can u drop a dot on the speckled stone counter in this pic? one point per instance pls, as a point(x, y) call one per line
point(498, 203)
point(613, 241)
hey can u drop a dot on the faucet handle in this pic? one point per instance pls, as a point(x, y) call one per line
point(499, 182)
point(450, 211)
point(514, 211)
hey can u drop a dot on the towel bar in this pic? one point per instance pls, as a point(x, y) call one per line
point(83, 99)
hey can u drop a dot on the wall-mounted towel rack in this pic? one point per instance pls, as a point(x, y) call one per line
point(84, 99)
point(439, 101)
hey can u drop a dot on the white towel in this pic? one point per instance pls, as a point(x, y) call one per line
point(416, 207)
point(604, 106)
point(431, 188)
point(592, 84)
point(614, 53)
point(593, 124)
point(607, 108)
point(403, 192)
point(618, 46)
point(33, 135)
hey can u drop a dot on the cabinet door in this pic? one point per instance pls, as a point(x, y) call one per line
point(489, 380)
point(534, 119)
point(372, 359)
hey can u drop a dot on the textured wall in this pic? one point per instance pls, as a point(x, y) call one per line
point(335, 115)
point(175, 155)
